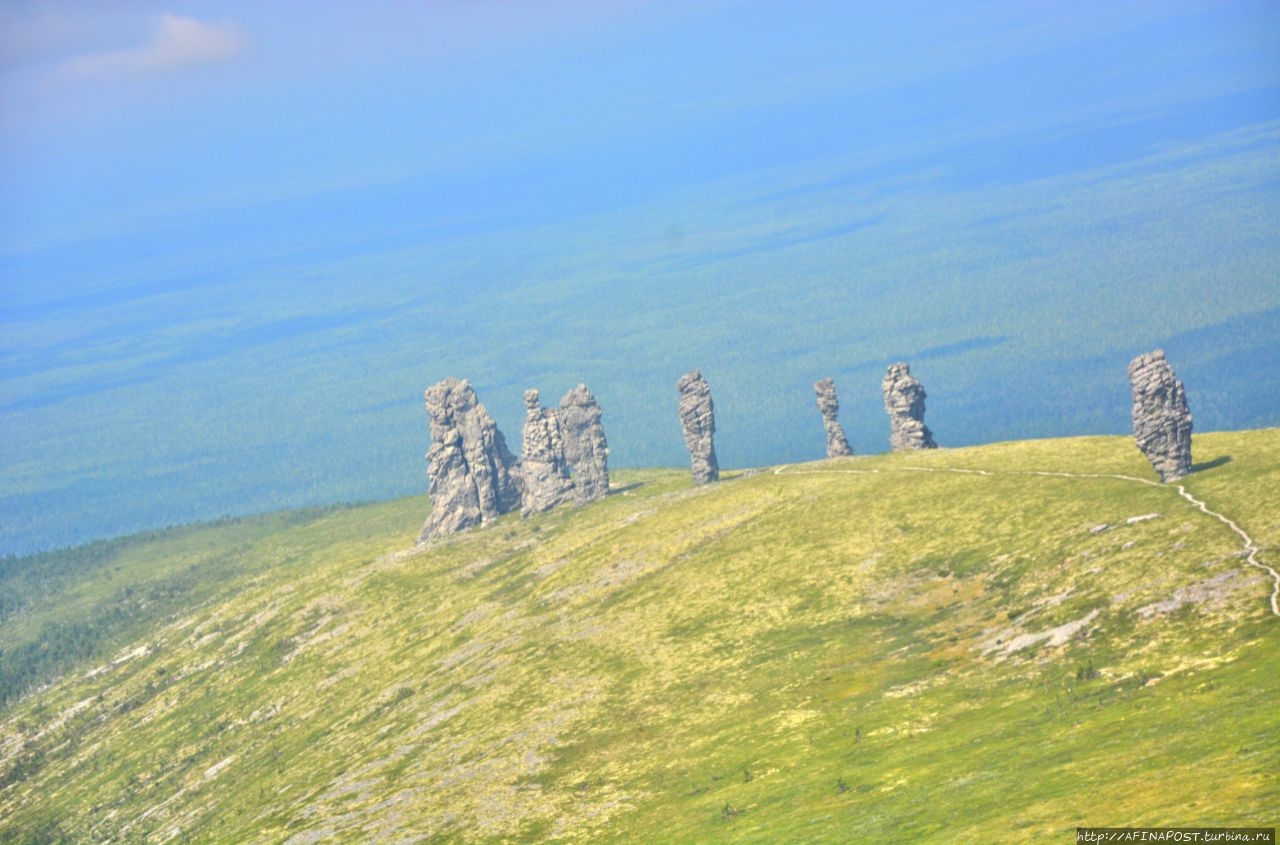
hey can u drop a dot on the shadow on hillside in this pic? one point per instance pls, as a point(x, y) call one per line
point(626, 488)
point(1216, 462)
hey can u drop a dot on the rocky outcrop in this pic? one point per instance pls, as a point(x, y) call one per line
point(474, 478)
point(829, 406)
point(904, 402)
point(1161, 418)
point(585, 449)
point(697, 419)
point(543, 466)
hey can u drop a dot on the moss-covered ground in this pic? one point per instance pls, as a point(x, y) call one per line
point(843, 651)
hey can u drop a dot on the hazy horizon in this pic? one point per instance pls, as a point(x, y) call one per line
point(238, 240)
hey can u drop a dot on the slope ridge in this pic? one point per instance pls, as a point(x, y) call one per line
point(803, 654)
point(1250, 547)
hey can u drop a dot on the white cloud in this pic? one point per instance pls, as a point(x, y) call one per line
point(175, 43)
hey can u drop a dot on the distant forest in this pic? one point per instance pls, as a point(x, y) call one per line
point(1017, 304)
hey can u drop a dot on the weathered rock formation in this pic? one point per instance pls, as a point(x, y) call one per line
point(697, 418)
point(585, 449)
point(474, 478)
point(904, 402)
point(1161, 418)
point(543, 466)
point(829, 406)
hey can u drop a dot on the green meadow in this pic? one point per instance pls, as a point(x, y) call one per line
point(874, 649)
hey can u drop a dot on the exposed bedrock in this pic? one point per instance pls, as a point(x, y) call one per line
point(543, 466)
point(1161, 418)
point(697, 419)
point(829, 406)
point(474, 478)
point(904, 402)
point(585, 448)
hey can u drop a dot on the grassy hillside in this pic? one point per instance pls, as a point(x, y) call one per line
point(873, 649)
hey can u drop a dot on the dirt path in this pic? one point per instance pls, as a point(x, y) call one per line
point(1250, 547)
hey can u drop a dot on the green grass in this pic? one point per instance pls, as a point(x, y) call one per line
point(822, 655)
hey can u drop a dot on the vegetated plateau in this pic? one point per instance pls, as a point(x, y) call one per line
point(891, 648)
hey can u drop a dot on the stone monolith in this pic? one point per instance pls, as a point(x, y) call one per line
point(543, 467)
point(585, 447)
point(1161, 418)
point(904, 402)
point(829, 406)
point(474, 478)
point(697, 419)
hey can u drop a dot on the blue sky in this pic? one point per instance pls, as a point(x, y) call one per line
point(119, 116)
